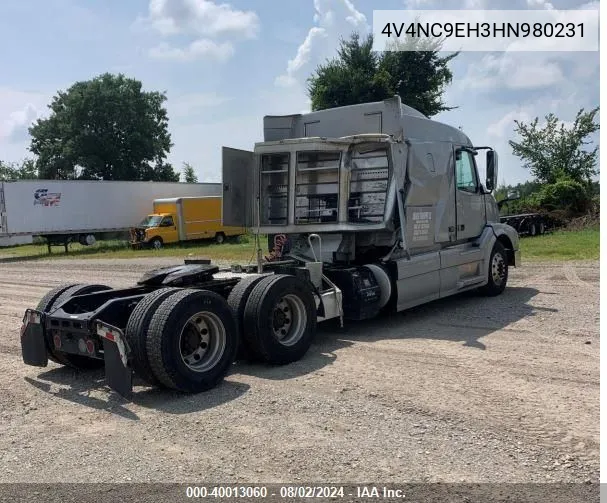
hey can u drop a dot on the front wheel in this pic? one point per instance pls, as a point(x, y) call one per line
point(498, 271)
point(220, 237)
point(156, 243)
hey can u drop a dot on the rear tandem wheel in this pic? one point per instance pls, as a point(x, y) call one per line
point(280, 319)
point(137, 329)
point(192, 340)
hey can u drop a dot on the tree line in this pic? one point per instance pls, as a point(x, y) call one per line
point(562, 164)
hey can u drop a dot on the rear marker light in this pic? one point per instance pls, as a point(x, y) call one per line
point(57, 341)
point(90, 346)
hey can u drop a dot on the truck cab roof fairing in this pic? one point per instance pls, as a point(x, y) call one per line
point(389, 117)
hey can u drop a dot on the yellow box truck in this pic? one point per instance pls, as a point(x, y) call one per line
point(183, 219)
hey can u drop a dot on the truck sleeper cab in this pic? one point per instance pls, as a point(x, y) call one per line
point(374, 208)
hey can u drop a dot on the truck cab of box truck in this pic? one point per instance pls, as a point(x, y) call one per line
point(384, 187)
point(156, 229)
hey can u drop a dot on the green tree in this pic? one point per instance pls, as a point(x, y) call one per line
point(553, 153)
point(189, 174)
point(106, 128)
point(13, 171)
point(359, 75)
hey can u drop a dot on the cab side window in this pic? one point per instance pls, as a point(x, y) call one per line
point(167, 222)
point(465, 173)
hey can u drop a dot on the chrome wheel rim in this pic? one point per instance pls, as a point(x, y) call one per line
point(202, 341)
point(289, 320)
point(498, 268)
point(157, 244)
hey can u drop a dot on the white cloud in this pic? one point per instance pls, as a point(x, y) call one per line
point(203, 20)
point(18, 110)
point(201, 17)
point(540, 4)
point(303, 56)
point(334, 19)
point(503, 127)
point(187, 105)
point(18, 122)
point(199, 49)
point(355, 17)
point(418, 4)
point(529, 71)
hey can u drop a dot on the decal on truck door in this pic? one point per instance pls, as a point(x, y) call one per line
point(45, 198)
point(420, 225)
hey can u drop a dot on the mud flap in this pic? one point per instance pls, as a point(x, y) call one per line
point(118, 372)
point(33, 345)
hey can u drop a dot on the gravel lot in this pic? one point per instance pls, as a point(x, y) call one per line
point(467, 389)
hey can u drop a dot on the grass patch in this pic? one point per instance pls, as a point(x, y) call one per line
point(559, 245)
point(562, 245)
point(242, 252)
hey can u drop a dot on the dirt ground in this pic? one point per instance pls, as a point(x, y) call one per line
point(468, 388)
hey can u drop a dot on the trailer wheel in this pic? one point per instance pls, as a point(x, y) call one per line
point(192, 340)
point(498, 271)
point(220, 237)
point(137, 330)
point(156, 243)
point(280, 319)
point(237, 300)
point(542, 228)
point(532, 229)
point(70, 360)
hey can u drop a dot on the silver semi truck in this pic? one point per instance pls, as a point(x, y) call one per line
point(371, 208)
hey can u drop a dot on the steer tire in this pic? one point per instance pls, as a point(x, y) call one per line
point(237, 301)
point(269, 309)
point(137, 328)
point(164, 340)
point(494, 287)
point(70, 360)
point(156, 243)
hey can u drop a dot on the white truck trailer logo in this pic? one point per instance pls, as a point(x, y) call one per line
point(45, 198)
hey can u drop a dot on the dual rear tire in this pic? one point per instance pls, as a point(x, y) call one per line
point(276, 316)
point(191, 341)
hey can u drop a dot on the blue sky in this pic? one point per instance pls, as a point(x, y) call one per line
point(225, 65)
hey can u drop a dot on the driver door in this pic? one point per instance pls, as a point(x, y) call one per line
point(469, 198)
point(168, 230)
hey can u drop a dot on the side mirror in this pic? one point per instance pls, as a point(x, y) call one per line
point(491, 163)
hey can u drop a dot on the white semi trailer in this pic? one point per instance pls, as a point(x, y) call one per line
point(64, 211)
point(374, 208)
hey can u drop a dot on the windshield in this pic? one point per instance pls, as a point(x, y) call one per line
point(151, 221)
